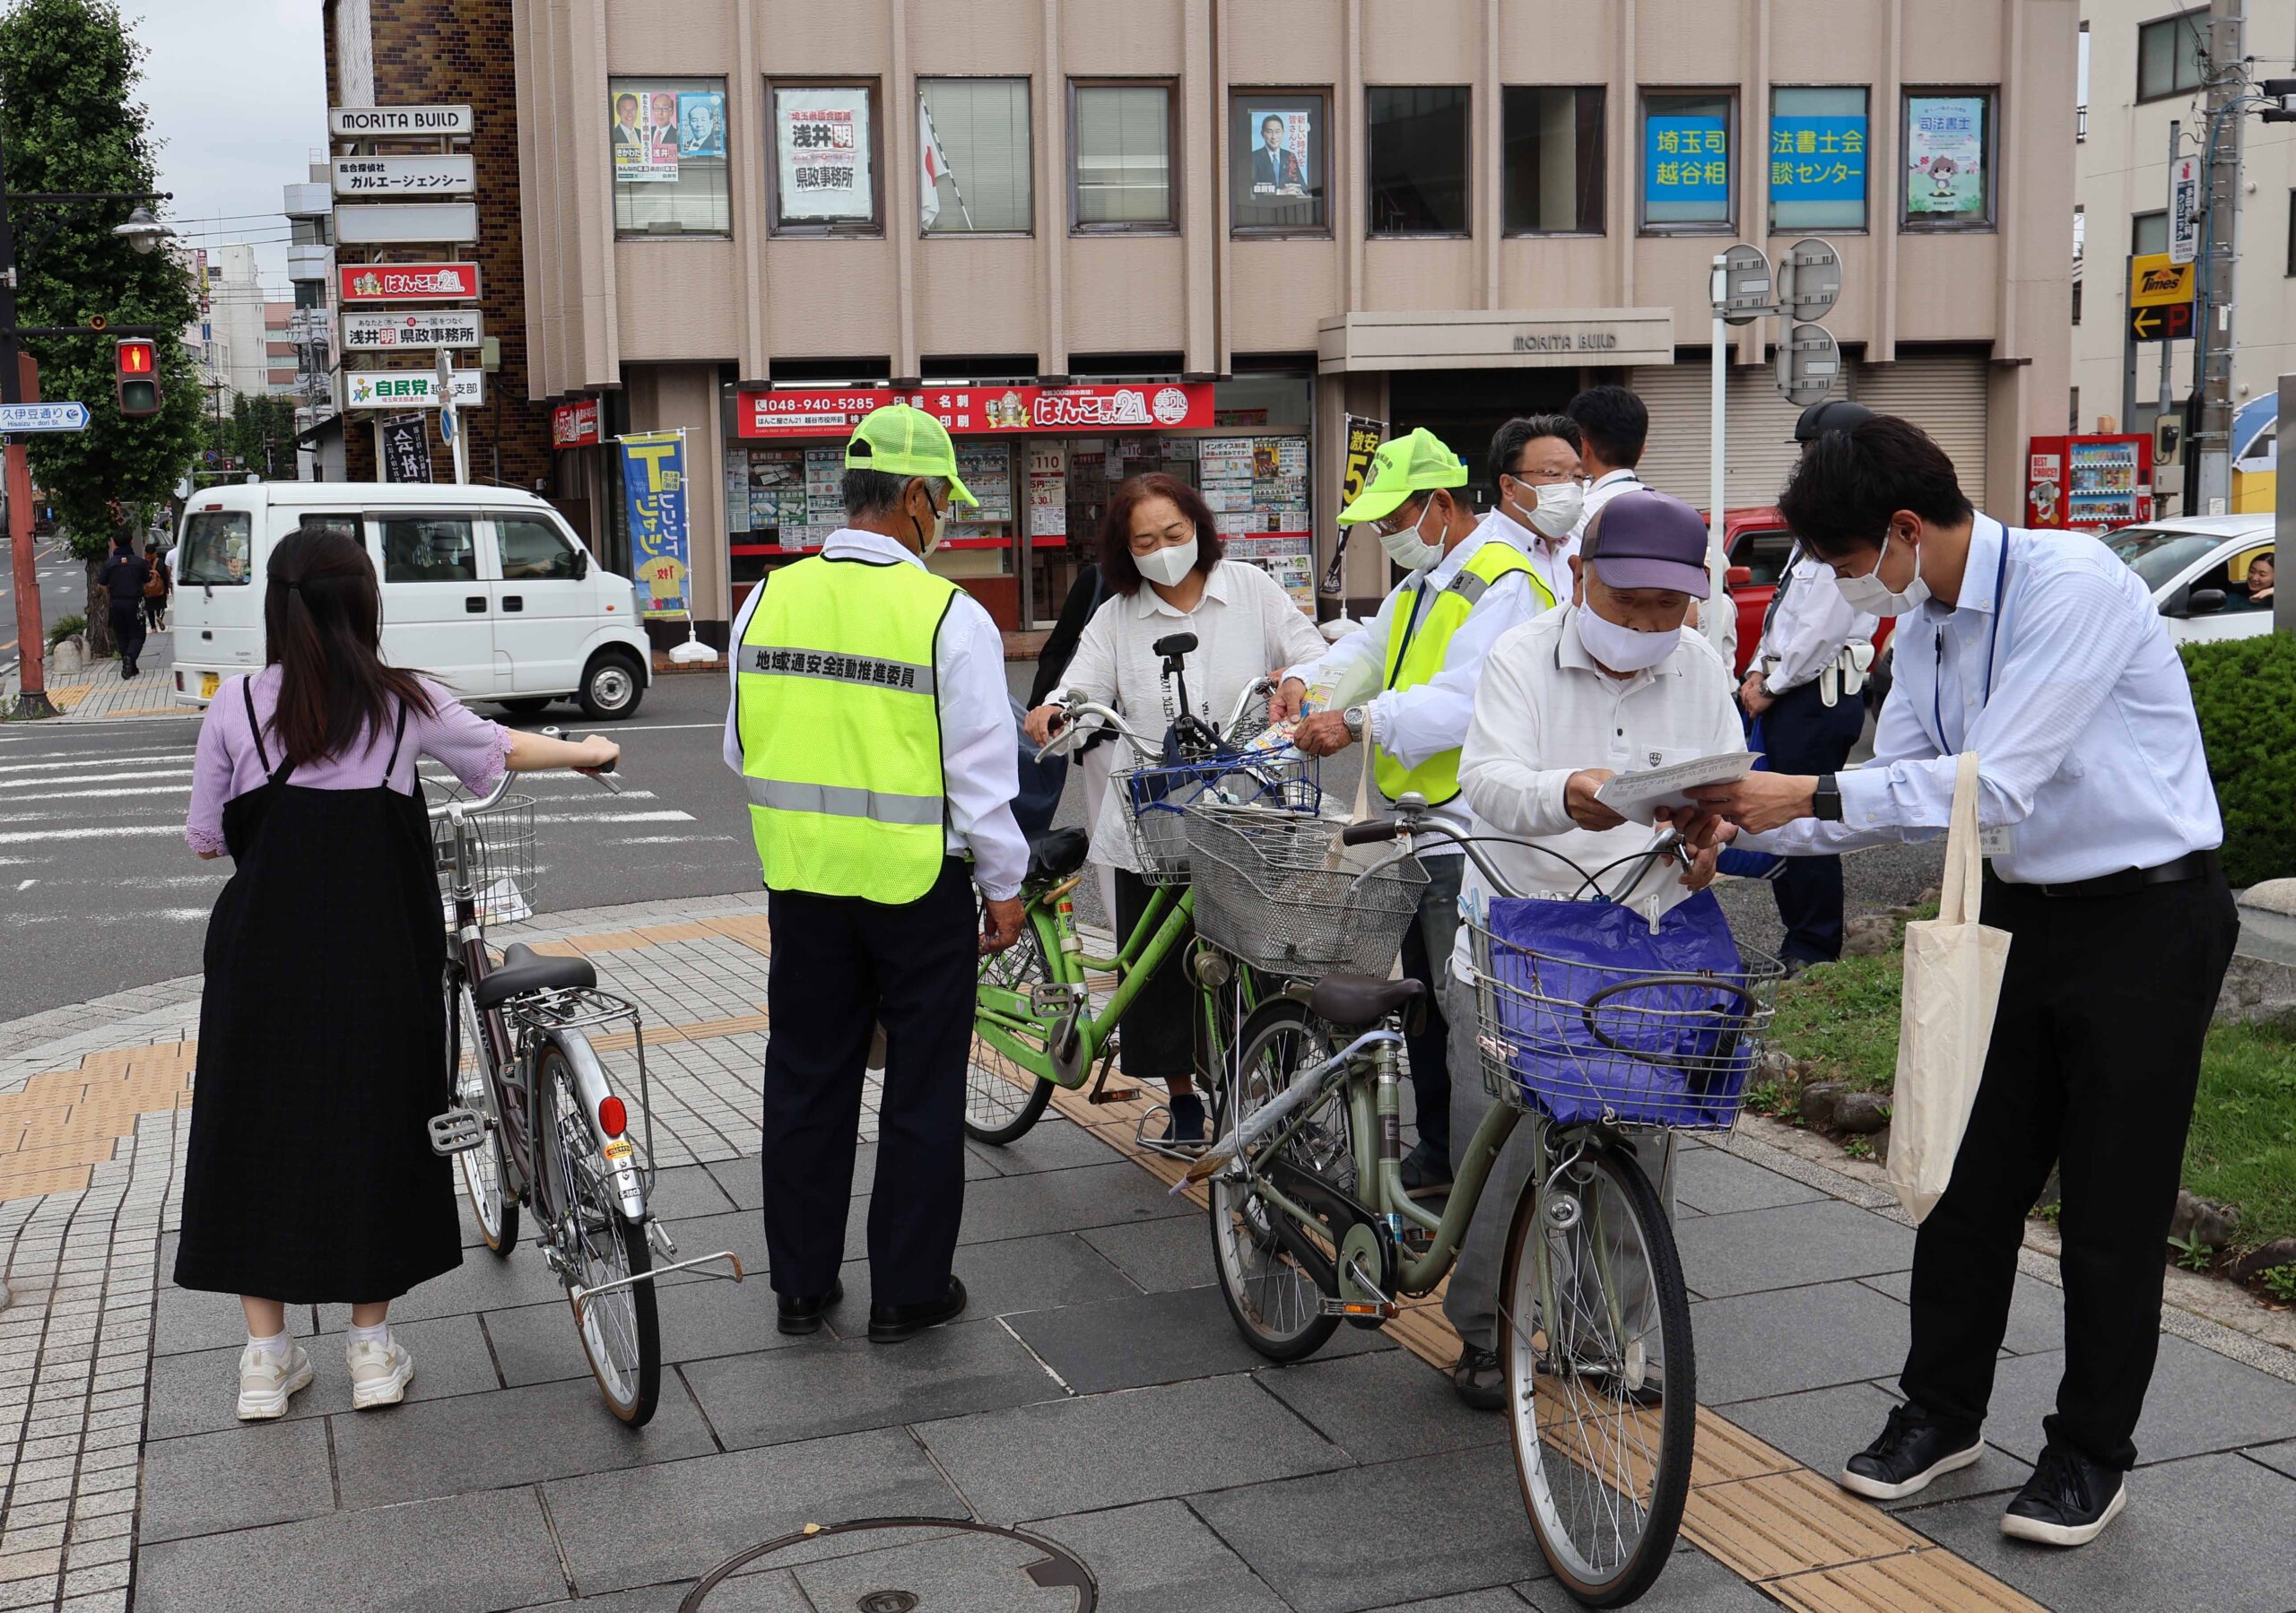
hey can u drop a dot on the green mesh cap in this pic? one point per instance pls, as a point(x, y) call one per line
point(1407, 466)
point(904, 441)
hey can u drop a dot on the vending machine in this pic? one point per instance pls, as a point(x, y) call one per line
point(2088, 483)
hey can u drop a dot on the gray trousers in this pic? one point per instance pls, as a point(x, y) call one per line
point(1472, 1301)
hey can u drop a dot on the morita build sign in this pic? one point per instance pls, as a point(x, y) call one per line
point(394, 123)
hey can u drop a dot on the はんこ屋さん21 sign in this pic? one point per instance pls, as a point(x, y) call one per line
point(397, 123)
point(575, 425)
point(406, 283)
point(408, 388)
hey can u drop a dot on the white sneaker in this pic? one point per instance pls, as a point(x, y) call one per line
point(266, 1380)
point(379, 1374)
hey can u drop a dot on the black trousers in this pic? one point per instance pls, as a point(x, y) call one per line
point(842, 965)
point(2094, 1062)
point(1427, 958)
point(1801, 734)
point(127, 628)
point(1157, 1037)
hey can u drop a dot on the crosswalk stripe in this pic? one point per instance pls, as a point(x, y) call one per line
point(90, 758)
point(108, 831)
point(93, 778)
point(182, 789)
point(671, 817)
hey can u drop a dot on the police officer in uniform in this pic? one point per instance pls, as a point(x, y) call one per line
point(2046, 656)
point(1802, 692)
point(871, 725)
point(1415, 669)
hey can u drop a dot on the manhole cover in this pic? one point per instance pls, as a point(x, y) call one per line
point(916, 1565)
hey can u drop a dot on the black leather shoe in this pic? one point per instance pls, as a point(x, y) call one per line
point(1912, 1449)
point(805, 1316)
point(891, 1323)
point(2067, 1500)
point(1479, 1380)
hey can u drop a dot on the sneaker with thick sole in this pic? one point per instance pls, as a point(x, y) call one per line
point(268, 1380)
point(379, 1374)
point(1478, 1379)
point(1912, 1449)
point(2067, 1500)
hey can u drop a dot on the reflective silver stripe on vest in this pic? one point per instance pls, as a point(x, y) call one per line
point(837, 801)
point(775, 660)
point(1470, 587)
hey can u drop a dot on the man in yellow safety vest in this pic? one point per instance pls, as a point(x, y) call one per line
point(871, 725)
point(1406, 685)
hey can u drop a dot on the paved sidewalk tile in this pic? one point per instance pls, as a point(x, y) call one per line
point(207, 1483)
point(2198, 1402)
point(699, 1317)
point(1161, 1255)
point(1159, 1557)
point(2036, 1310)
point(2279, 1458)
point(1378, 1408)
point(1007, 1278)
point(197, 1392)
point(1155, 1339)
point(1692, 1582)
point(1823, 1428)
point(1716, 1183)
point(1765, 1344)
point(1788, 1245)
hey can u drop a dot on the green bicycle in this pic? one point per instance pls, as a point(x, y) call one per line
point(1036, 1026)
point(1311, 1225)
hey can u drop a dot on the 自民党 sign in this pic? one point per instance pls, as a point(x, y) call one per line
point(412, 332)
point(408, 388)
point(43, 417)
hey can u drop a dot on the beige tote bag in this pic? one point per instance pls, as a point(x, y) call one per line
point(1952, 984)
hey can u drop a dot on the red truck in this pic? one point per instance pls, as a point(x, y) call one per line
point(1758, 542)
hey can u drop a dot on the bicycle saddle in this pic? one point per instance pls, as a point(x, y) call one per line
point(1056, 853)
point(523, 970)
point(1353, 1002)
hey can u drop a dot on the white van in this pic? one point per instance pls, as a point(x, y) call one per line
point(484, 588)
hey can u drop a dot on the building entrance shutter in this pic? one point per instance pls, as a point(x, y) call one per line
point(1943, 393)
point(1760, 448)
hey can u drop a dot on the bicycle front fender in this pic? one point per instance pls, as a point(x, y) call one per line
point(620, 1153)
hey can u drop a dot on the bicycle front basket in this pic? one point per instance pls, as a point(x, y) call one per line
point(1156, 800)
point(498, 849)
point(1586, 1014)
point(1279, 890)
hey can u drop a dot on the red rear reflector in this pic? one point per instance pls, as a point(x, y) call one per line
point(614, 1120)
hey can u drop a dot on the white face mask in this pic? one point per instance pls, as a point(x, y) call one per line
point(1560, 506)
point(1408, 547)
point(1168, 565)
point(1870, 595)
point(1620, 648)
point(927, 542)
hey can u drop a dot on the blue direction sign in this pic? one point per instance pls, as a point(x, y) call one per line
point(43, 417)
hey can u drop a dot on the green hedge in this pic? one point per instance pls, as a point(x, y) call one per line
point(2245, 692)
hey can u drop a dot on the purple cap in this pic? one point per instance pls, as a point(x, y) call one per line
point(1646, 539)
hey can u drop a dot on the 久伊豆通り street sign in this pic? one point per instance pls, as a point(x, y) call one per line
point(43, 417)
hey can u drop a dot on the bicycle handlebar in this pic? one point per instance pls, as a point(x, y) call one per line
point(493, 797)
point(1411, 822)
point(1069, 732)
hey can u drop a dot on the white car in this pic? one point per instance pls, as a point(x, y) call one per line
point(2197, 567)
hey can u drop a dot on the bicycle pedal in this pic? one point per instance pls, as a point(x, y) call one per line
point(1047, 998)
point(658, 1237)
point(1357, 1309)
point(1113, 1095)
point(456, 1131)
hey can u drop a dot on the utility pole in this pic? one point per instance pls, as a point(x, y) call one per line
point(2169, 348)
point(2208, 452)
point(31, 633)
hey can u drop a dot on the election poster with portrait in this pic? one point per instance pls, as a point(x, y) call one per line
point(701, 122)
point(1280, 149)
point(821, 156)
point(1944, 155)
point(645, 136)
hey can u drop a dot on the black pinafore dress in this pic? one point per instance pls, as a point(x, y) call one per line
point(309, 1176)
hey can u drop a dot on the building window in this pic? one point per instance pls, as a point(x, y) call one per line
point(2081, 88)
point(2168, 56)
point(1278, 169)
point(2079, 255)
point(1552, 169)
point(668, 141)
point(1123, 166)
point(1947, 138)
point(973, 136)
point(2148, 232)
point(1688, 180)
point(1417, 137)
point(824, 172)
point(2073, 415)
point(1818, 145)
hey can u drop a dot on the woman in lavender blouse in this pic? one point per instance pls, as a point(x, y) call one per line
point(309, 1178)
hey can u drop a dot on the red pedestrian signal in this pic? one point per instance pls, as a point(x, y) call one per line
point(135, 379)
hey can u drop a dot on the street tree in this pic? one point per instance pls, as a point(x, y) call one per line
point(69, 71)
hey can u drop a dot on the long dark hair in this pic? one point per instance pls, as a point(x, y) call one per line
point(322, 625)
point(1116, 569)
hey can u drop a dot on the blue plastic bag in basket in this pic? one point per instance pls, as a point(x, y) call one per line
point(1671, 1054)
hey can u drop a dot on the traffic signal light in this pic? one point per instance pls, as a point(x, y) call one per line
point(135, 379)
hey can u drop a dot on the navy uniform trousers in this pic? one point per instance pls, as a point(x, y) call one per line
point(840, 967)
point(1800, 733)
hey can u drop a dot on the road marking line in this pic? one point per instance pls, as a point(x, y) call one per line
point(26, 885)
point(94, 778)
point(142, 759)
point(110, 831)
point(607, 818)
point(182, 789)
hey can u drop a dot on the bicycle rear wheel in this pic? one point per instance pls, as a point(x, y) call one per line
point(1601, 1385)
point(480, 1169)
point(1002, 1099)
point(1263, 1257)
point(619, 1330)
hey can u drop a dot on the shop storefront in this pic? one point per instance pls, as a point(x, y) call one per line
point(1042, 461)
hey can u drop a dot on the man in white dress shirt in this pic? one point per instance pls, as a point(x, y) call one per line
point(1542, 493)
point(2045, 655)
point(1612, 427)
point(1609, 685)
point(1470, 582)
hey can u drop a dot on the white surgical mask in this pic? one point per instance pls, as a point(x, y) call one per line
point(1623, 649)
point(1870, 595)
point(927, 542)
point(1168, 566)
point(1408, 546)
point(1560, 506)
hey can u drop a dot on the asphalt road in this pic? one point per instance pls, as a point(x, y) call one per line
point(98, 891)
point(63, 591)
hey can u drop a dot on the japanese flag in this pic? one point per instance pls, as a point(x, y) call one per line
point(929, 166)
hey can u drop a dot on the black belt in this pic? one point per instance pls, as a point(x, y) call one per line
point(2192, 865)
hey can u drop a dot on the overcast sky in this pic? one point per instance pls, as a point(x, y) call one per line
point(237, 94)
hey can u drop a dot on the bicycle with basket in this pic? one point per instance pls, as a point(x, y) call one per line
point(1593, 1029)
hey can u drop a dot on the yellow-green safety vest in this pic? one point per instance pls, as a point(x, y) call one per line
point(1416, 650)
point(841, 728)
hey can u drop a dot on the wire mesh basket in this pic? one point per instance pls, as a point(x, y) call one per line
point(1579, 1042)
point(1279, 890)
point(1157, 800)
point(495, 861)
point(611, 1025)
